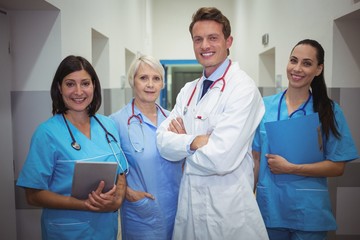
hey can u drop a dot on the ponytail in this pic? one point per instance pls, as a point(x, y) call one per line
point(322, 104)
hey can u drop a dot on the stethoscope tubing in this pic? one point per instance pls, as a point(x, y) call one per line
point(107, 134)
point(302, 109)
point(222, 78)
point(77, 146)
point(133, 115)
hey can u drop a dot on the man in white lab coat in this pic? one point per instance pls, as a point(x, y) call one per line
point(214, 133)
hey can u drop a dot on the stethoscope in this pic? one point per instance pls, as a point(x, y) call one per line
point(222, 79)
point(138, 118)
point(75, 145)
point(302, 109)
point(133, 115)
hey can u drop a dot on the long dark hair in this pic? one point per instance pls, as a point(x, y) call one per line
point(69, 65)
point(321, 101)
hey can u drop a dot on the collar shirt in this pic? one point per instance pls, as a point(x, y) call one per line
point(215, 75)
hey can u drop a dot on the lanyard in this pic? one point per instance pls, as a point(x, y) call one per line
point(222, 78)
point(302, 109)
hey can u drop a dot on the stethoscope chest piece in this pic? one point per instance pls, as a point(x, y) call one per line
point(75, 146)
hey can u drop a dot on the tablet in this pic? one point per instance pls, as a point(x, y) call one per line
point(87, 176)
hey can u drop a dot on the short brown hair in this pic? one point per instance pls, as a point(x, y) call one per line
point(214, 14)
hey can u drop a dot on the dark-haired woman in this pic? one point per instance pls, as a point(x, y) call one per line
point(299, 207)
point(74, 133)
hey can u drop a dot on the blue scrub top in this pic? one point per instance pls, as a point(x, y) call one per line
point(302, 203)
point(149, 172)
point(50, 166)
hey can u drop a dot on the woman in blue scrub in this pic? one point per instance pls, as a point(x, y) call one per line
point(74, 133)
point(149, 209)
point(298, 207)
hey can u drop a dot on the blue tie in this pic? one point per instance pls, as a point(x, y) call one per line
point(206, 85)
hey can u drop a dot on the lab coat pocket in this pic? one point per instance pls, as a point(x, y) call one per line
point(213, 121)
point(226, 205)
point(207, 115)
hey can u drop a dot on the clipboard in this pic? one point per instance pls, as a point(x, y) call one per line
point(87, 176)
point(299, 140)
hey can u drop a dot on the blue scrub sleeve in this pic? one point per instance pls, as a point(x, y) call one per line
point(256, 142)
point(38, 167)
point(342, 149)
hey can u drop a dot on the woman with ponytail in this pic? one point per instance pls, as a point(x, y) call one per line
point(298, 207)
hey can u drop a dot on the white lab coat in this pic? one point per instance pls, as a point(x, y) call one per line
point(216, 199)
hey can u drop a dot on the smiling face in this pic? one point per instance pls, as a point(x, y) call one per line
point(210, 45)
point(303, 66)
point(77, 91)
point(147, 84)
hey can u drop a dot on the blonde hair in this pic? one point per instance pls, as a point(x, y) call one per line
point(146, 59)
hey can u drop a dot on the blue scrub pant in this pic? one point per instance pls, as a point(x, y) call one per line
point(292, 234)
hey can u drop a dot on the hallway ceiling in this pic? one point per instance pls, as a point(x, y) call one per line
point(14, 5)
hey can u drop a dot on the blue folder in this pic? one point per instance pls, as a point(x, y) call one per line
point(298, 140)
